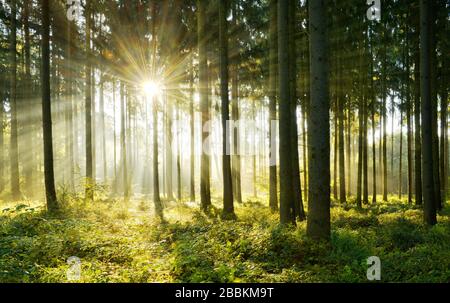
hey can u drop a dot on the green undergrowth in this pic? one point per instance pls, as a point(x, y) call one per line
point(124, 242)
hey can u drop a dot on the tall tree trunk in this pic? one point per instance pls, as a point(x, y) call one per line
point(14, 147)
point(434, 107)
point(373, 112)
point(307, 103)
point(408, 119)
point(70, 108)
point(123, 145)
point(88, 107)
point(417, 125)
point(427, 132)
point(335, 147)
point(305, 149)
point(374, 161)
point(255, 193)
point(342, 194)
point(360, 156)
point(400, 172)
point(52, 204)
point(192, 117)
point(113, 83)
point(349, 153)
point(444, 126)
point(383, 110)
point(204, 104)
point(178, 150)
point(169, 149)
point(318, 225)
point(365, 150)
point(392, 185)
point(103, 126)
point(286, 185)
point(28, 122)
point(156, 195)
point(228, 207)
point(297, 206)
point(236, 159)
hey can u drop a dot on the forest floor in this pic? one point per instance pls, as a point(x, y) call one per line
point(123, 242)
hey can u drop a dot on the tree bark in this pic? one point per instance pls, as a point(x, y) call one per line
point(297, 206)
point(204, 104)
point(52, 203)
point(192, 113)
point(28, 122)
point(427, 132)
point(236, 159)
point(88, 107)
point(417, 125)
point(286, 185)
point(228, 206)
point(14, 147)
point(273, 64)
point(318, 225)
point(384, 92)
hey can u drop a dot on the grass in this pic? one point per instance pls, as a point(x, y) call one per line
point(119, 242)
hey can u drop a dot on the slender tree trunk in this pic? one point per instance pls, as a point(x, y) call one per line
point(417, 126)
point(103, 126)
point(179, 194)
point(14, 147)
point(255, 193)
point(114, 126)
point(156, 195)
point(70, 109)
point(286, 185)
point(168, 149)
point(307, 103)
point(318, 225)
point(192, 113)
point(203, 89)
point(28, 122)
point(392, 145)
point(434, 107)
point(52, 204)
point(335, 153)
point(384, 92)
point(425, 92)
point(349, 154)
point(360, 156)
point(297, 206)
point(305, 150)
point(123, 143)
point(88, 107)
point(373, 111)
point(228, 207)
point(342, 193)
point(444, 127)
point(408, 120)
point(236, 159)
point(374, 161)
point(365, 151)
point(400, 173)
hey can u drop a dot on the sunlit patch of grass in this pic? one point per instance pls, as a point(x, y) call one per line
point(125, 242)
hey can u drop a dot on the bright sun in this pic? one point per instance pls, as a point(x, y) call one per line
point(152, 88)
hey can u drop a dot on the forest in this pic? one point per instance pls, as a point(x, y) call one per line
point(224, 141)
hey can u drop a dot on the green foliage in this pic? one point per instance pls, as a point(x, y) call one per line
point(121, 242)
